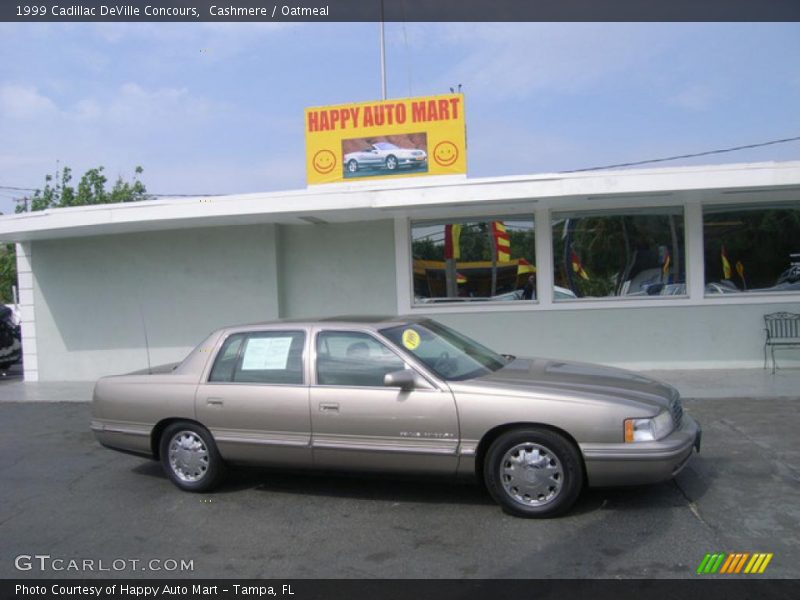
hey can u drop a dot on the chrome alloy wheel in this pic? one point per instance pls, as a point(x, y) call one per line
point(188, 456)
point(531, 474)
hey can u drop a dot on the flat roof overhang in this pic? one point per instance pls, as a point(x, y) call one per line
point(431, 197)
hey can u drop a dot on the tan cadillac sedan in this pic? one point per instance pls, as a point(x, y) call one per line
point(401, 395)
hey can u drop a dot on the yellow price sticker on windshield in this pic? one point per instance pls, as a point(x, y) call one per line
point(410, 339)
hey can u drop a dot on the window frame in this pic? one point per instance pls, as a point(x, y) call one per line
point(432, 381)
point(542, 209)
point(649, 210)
point(246, 333)
point(456, 303)
point(746, 296)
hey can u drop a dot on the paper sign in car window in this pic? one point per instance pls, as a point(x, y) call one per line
point(263, 354)
point(410, 339)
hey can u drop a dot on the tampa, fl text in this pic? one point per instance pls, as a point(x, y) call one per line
point(150, 591)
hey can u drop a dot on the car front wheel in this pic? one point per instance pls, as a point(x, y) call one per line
point(533, 472)
point(190, 457)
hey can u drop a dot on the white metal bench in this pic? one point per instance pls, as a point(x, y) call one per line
point(783, 332)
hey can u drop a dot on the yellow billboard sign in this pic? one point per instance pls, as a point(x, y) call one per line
point(405, 137)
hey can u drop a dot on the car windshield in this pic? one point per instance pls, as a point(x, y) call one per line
point(449, 354)
point(385, 146)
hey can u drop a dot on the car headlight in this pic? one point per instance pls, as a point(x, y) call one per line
point(649, 430)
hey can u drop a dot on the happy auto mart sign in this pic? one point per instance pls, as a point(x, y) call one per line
point(406, 137)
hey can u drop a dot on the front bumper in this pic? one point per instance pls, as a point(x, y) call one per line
point(642, 462)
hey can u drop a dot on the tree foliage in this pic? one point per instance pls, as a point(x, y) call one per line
point(58, 192)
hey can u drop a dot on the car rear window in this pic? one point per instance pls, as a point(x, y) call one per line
point(272, 357)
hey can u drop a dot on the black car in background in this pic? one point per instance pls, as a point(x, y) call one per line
point(10, 338)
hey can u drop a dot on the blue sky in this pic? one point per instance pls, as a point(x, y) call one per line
point(218, 108)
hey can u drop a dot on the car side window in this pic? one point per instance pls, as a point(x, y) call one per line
point(226, 359)
point(352, 358)
point(274, 357)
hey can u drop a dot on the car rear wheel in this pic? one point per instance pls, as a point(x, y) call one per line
point(533, 472)
point(352, 165)
point(391, 162)
point(190, 457)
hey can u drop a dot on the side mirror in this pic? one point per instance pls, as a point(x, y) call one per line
point(405, 379)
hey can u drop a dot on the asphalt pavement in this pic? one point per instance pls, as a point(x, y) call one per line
point(64, 496)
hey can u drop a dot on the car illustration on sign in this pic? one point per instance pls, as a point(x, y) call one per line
point(385, 155)
point(397, 395)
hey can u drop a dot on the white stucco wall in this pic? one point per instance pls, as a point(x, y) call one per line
point(681, 337)
point(92, 294)
point(95, 295)
point(337, 269)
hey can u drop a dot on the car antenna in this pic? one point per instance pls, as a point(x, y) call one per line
point(146, 342)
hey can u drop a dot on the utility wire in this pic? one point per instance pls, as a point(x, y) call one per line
point(708, 152)
point(24, 189)
point(19, 189)
point(614, 166)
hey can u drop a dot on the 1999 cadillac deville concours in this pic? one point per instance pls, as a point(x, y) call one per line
point(398, 395)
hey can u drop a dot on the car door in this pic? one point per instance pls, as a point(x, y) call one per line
point(358, 423)
point(254, 398)
point(371, 157)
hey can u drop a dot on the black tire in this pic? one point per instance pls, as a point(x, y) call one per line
point(352, 165)
point(198, 467)
point(391, 162)
point(549, 482)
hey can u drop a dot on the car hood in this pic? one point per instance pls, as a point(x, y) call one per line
point(581, 381)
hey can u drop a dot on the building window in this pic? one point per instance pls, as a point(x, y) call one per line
point(477, 260)
point(630, 253)
point(752, 248)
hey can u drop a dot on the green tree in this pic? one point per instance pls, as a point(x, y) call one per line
point(58, 192)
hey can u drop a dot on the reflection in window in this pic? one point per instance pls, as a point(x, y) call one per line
point(474, 260)
point(625, 253)
point(752, 248)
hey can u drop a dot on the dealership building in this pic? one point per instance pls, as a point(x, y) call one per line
point(648, 268)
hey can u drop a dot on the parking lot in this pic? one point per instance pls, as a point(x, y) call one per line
point(63, 495)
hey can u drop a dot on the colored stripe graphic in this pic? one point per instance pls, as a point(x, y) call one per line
point(710, 563)
point(726, 568)
point(734, 563)
point(766, 562)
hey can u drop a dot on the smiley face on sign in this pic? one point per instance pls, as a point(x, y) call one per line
point(410, 339)
point(445, 153)
point(324, 161)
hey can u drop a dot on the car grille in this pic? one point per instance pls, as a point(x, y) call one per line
point(675, 409)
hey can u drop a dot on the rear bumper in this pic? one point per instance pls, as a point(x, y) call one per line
point(642, 463)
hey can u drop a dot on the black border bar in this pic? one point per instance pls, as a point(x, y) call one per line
point(708, 588)
point(398, 10)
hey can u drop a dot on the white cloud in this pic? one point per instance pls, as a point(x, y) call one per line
point(24, 102)
point(696, 97)
point(502, 60)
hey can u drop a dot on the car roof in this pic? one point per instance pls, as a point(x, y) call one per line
point(373, 321)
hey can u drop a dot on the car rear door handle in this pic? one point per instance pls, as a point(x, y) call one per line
point(217, 401)
point(329, 407)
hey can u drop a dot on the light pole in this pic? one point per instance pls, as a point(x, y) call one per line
point(383, 57)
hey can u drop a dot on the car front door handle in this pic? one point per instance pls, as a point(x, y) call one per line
point(329, 407)
point(216, 401)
